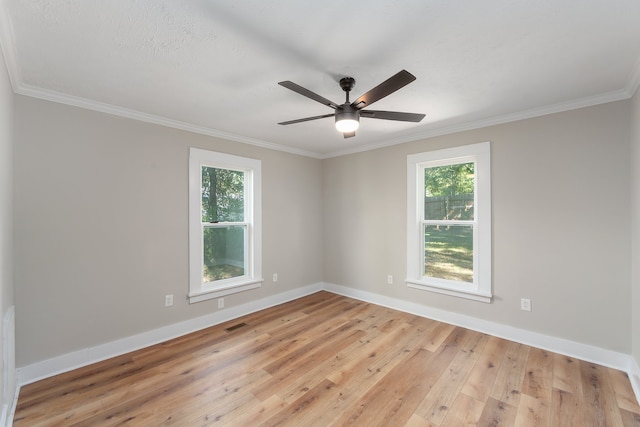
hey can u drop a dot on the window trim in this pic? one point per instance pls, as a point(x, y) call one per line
point(199, 291)
point(480, 153)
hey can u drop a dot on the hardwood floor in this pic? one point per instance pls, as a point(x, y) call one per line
point(327, 360)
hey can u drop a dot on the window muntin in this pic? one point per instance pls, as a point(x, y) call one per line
point(225, 224)
point(449, 221)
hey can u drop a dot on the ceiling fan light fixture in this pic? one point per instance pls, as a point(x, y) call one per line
point(347, 125)
point(347, 121)
point(347, 115)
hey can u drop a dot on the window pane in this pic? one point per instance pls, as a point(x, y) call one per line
point(449, 192)
point(448, 252)
point(222, 195)
point(223, 252)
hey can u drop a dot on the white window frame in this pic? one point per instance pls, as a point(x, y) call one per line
point(252, 168)
point(480, 154)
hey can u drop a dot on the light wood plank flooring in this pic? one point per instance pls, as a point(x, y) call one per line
point(327, 360)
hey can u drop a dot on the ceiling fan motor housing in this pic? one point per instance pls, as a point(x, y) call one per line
point(347, 112)
point(347, 83)
point(347, 115)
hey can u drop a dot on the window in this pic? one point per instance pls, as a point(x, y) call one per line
point(449, 221)
point(224, 224)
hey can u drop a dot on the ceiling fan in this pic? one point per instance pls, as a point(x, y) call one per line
point(348, 114)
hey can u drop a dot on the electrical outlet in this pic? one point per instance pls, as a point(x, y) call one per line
point(275, 277)
point(168, 300)
point(525, 304)
point(389, 279)
point(220, 302)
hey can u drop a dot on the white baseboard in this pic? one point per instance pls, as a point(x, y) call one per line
point(77, 359)
point(589, 353)
point(70, 361)
point(8, 422)
point(9, 391)
point(634, 377)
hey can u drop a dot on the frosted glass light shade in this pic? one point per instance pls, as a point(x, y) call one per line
point(347, 125)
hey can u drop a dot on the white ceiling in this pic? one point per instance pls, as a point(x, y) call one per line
point(213, 66)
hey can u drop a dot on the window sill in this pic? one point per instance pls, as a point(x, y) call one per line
point(220, 291)
point(456, 292)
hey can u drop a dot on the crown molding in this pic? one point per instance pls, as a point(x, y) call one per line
point(7, 46)
point(54, 96)
point(590, 101)
point(58, 97)
point(8, 50)
point(74, 101)
point(634, 80)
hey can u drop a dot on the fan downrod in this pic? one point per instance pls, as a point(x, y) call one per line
point(351, 111)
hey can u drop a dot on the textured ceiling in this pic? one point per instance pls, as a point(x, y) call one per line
point(213, 66)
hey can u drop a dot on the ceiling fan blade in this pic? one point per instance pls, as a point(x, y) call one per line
point(349, 134)
point(385, 88)
point(306, 119)
point(306, 92)
point(392, 115)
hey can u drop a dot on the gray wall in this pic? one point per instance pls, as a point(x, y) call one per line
point(561, 220)
point(101, 226)
point(6, 214)
point(635, 226)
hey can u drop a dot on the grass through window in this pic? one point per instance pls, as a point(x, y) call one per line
point(449, 252)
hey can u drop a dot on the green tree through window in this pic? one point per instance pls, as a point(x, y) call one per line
point(449, 221)
point(449, 180)
point(225, 224)
point(448, 246)
point(222, 195)
point(222, 215)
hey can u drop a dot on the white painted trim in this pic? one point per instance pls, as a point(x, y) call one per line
point(12, 409)
point(8, 46)
point(61, 98)
point(463, 293)
point(480, 154)
point(218, 292)
point(578, 350)
point(634, 376)
point(70, 361)
point(252, 168)
point(9, 392)
point(634, 80)
point(77, 359)
point(590, 101)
